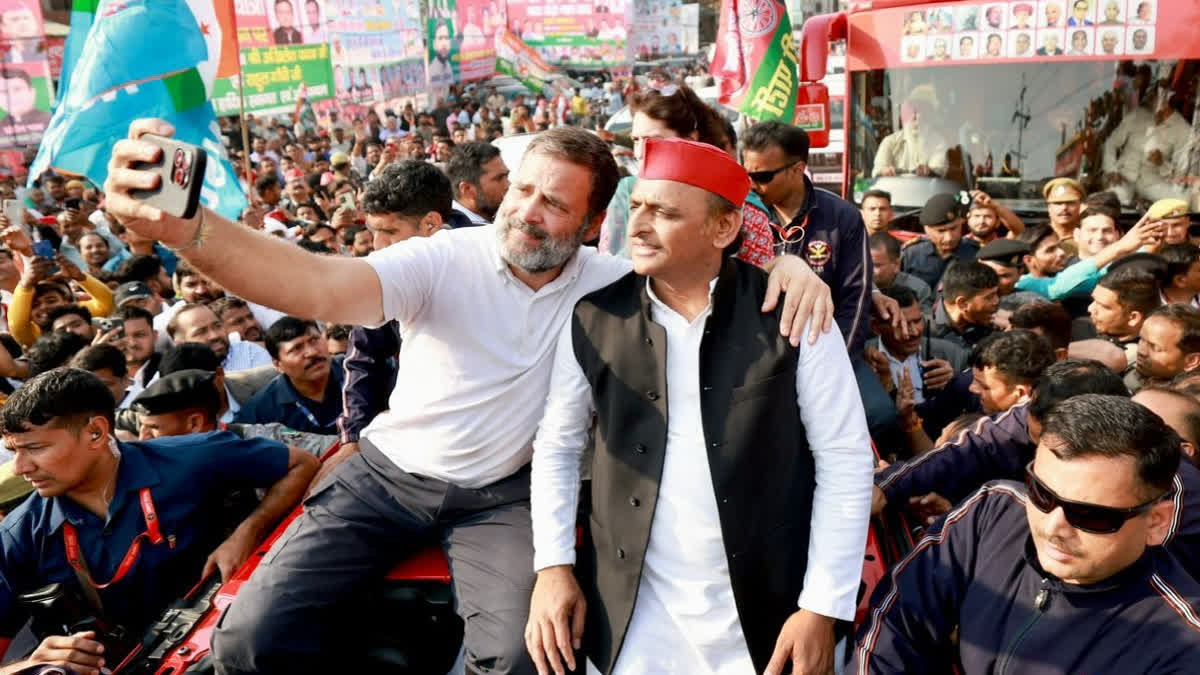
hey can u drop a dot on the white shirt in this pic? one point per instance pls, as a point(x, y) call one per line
point(244, 356)
point(234, 407)
point(684, 619)
point(478, 348)
point(913, 365)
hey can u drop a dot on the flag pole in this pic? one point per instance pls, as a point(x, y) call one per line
point(245, 128)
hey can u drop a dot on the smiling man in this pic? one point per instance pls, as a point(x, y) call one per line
point(658, 358)
point(1063, 575)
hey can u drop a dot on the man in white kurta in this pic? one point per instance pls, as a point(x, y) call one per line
point(685, 619)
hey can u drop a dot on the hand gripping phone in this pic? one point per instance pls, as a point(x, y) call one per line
point(180, 170)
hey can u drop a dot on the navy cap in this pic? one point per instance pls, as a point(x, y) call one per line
point(181, 390)
point(131, 290)
point(1007, 252)
point(941, 210)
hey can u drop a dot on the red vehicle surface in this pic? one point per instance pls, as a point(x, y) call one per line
point(417, 631)
point(1003, 102)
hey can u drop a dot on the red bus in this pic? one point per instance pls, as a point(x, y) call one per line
point(1003, 96)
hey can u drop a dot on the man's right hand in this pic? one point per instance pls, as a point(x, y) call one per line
point(79, 652)
point(38, 269)
point(344, 453)
point(556, 615)
point(123, 179)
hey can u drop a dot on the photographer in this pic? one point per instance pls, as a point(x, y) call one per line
point(127, 527)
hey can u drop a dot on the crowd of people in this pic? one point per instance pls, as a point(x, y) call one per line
point(636, 412)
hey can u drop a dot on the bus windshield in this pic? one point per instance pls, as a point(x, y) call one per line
point(1008, 128)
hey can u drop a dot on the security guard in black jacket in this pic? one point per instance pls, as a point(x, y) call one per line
point(1063, 575)
point(942, 217)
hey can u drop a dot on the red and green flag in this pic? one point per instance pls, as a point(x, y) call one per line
point(755, 60)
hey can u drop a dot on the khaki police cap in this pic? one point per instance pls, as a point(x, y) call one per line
point(1167, 208)
point(1062, 190)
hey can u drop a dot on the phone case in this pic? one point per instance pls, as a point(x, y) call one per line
point(181, 173)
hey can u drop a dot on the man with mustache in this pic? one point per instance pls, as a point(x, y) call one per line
point(307, 394)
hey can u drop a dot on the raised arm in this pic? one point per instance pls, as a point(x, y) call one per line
point(248, 263)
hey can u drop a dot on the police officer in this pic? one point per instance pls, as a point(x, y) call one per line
point(942, 217)
point(126, 526)
point(188, 402)
point(1173, 213)
point(1064, 574)
point(1064, 201)
point(1004, 257)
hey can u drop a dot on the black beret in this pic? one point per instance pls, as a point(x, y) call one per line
point(181, 390)
point(942, 209)
point(1006, 252)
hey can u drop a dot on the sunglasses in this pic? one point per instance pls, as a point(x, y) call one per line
point(764, 177)
point(1082, 516)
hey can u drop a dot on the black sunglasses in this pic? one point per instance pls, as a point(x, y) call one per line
point(764, 177)
point(1082, 516)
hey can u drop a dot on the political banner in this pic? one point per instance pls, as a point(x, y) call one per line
point(266, 23)
point(587, 34)
point(375, 48)
point(478, 21)
point(520, 61)
point(275, 78)
point(26, 90)
point(657, 29)
point(756, 59)
point(441, 41)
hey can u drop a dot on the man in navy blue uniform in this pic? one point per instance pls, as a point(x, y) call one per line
point(128, 526)
point(1063, 575)
point(999, 447)
point(307, 393)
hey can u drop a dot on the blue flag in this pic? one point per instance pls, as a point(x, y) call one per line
point(143, 58)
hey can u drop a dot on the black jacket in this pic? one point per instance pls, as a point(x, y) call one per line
point(999, 448)
point(763, 472)
point(835, 246)
point(977, 570)
point(370, 377)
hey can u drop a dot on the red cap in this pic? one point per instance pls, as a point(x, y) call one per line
point(294, 174)
point(698, 164)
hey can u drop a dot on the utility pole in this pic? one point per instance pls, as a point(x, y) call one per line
point(1021, 118)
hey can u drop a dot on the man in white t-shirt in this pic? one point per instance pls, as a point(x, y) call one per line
point(479, 311)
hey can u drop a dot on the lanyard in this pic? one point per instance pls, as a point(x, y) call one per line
point(792, 234)
point(313, 418)
point(71, 542)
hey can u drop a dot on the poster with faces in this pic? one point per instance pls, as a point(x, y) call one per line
point(1018, 29)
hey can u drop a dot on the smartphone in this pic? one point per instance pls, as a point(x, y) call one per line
point(107, 324)
point(15, 211)
point(72, 203)
point(347, 199)
point(181, 175)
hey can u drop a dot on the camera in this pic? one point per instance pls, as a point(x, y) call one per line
point(56, 609)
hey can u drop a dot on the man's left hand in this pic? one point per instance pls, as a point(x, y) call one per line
point(805, 297)
point(229, 555)
point(807, 641)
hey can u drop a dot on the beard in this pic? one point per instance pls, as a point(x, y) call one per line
point(550, 252)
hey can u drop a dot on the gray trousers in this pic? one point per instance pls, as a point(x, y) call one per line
point(367, 516)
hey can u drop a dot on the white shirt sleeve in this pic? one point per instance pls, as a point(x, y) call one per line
point(557, 449)
point(836, 427)
point(409, 271)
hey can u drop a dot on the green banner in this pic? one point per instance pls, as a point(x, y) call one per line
point(275, 77)
point(772, 92)
point(518, 60)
